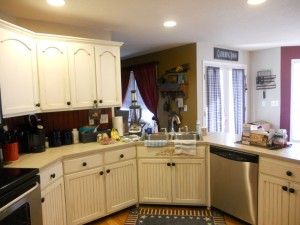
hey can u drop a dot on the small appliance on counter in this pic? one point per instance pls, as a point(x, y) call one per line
point(32, 137)
point(54, 139)
point(135, 115)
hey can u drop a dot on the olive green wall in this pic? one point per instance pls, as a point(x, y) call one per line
point(169, 59)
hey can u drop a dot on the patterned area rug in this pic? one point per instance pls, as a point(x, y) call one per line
point(146, 216)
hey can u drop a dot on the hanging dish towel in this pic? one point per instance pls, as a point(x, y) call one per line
point(155, 143)
point(187, 147)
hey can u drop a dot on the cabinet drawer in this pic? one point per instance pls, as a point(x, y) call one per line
point(120, 155)
point(82, 163)
point(168, 151)
point(286, 170)
point(51, 174)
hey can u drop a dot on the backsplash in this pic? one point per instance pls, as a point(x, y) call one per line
point(65, 120)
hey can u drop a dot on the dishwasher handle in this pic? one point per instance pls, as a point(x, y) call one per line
point(234, 155)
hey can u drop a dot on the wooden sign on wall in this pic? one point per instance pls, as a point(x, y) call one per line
point(225, 54)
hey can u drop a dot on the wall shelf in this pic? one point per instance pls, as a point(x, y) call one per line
point(175, 90)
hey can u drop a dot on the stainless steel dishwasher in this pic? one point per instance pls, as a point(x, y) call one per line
point(234, 180)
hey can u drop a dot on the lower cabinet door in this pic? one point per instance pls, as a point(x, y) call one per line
point(121, 185)
point(188, 181)
point(85, 199)
point(273, 201)
point(154, 181)
point(294, 213)
point(53, 204)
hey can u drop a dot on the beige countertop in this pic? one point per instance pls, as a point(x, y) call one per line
point(291, 154)
point(43, 159)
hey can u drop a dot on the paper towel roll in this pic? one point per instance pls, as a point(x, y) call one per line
point(118, 124)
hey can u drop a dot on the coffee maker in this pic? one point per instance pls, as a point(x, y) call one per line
point(32, 137)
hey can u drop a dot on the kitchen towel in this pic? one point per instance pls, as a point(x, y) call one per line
point(187, 147)
point(155, 143)
point(118, 124)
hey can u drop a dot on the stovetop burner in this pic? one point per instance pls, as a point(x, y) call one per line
point(13, 177)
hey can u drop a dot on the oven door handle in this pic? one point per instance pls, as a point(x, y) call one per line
point(19, 197)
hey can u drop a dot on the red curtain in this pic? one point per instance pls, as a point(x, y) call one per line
point(145, 76)
point(125, 75)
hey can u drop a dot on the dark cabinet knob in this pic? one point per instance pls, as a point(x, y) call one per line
point(122, 156)
point(289, 173)
point(285, 188)
point(173, 164)
point(43, 200)
point(52, 175)
point(84, 163)
point(292, 190)
point(107, 171)
point(101, 173)
point(168, 164)
point(100, 101)
point(38, 105)
point(95, 101)
point(68, 103)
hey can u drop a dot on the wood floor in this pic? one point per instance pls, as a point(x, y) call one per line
point(119, 218)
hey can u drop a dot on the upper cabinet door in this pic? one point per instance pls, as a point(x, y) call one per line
point(53, 75)
point(82, 75)
point(19, 88)
point(108, 75)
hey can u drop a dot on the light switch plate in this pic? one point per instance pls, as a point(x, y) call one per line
point(104, 118)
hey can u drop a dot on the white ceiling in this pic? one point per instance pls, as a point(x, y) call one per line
point(139, 23)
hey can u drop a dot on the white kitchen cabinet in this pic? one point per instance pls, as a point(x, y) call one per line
point(108, 75)
point(53, 204)
point(53, 75)
point(174, 179)
point(154, 181)
point(19, 82)
point(120, 179)
point(121, 185)
point(279, 193)
point(188, 181)
point(82, 75)
point(85, 199)
point(53, 195)
point(84, 188)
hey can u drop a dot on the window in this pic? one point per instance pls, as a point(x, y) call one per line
point(295, 103)
point(146, 114)
point(224, 102)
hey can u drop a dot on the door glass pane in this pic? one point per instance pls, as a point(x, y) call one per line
point(20, 216)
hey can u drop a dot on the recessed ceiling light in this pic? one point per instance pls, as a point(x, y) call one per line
point(56, 2)
point(255, 2)
point(170, 23)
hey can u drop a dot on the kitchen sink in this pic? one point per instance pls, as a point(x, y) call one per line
point(186, 136)
point(157, 136)
point(173, 136)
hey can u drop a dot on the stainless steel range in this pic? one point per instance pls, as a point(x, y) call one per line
point(20, 197)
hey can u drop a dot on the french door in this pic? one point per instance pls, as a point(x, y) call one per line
point(224, 97)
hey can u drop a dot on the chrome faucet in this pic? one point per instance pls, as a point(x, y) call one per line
point(176, 119)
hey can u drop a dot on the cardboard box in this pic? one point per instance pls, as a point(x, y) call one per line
point(259, 139)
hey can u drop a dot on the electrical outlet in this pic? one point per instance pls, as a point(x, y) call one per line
point(185, 108)
point(91, 121)
point(104, 118)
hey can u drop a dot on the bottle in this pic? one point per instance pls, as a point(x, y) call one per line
point(75, 136)
point(198, 127)
point(155, 128)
